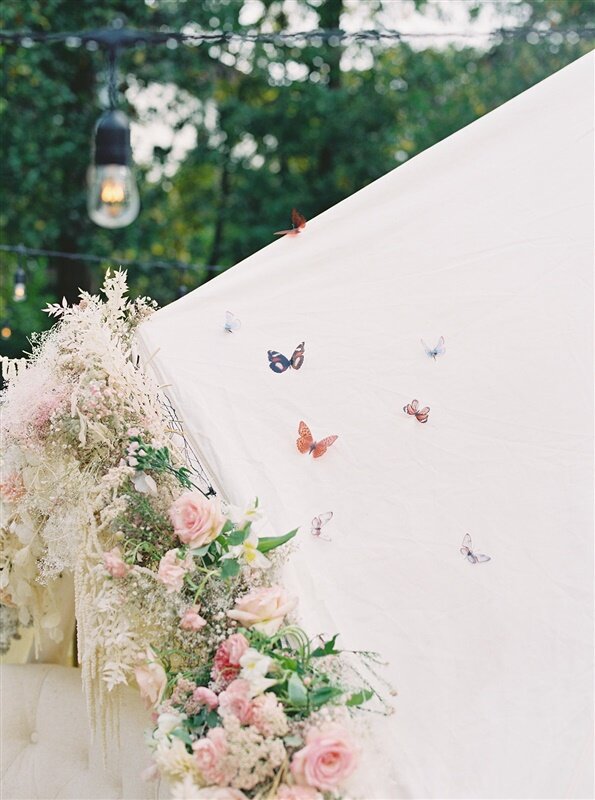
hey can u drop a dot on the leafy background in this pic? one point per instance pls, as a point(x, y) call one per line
point(270, 127)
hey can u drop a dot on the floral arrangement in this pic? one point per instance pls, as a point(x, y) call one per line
point(172, 592)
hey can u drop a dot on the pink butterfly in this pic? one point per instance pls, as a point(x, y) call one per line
point(318, 522)
point(412, 408)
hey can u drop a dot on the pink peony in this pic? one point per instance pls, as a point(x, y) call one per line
point(236, 700)
point(263, 609)
point(328, 758)
point(114, 564)
point(205, 697)
point(227, 658)
point(208, 753)
point(285, 792)
point(151, 679)
point(172, 570)
point(191, 620)
point(196, 519)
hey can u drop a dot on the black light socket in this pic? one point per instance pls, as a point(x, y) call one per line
point(112, 139)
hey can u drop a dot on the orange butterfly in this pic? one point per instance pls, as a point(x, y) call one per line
point(306, 443)
point(420, 414)
point(298, 221)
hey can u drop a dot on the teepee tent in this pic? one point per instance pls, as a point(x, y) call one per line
point(485, 239)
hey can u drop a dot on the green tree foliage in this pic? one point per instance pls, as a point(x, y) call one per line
point(275, 127)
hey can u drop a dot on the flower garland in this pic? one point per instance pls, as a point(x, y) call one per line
point(171, 592)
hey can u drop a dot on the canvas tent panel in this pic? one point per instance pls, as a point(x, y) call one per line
point(487, 239)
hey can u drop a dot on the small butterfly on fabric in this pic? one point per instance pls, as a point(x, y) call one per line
point(298, 221)
point(318, 522)
point(306, 443)
point(466, 550)
point(433, 352)
point(279, 363)
point(412, 408)
point(231, 323)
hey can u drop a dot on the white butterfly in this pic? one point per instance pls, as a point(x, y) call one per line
point(231, 323)
point(318, 522)
point(467, 551)
point(439, 350)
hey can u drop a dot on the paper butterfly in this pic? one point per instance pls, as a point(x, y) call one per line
point(298, 221)
point(318, 522)
point(421, 415)
point(439, 350)
point(231, 323)
point(306, 443)
point(279, 363)
point(467, 551)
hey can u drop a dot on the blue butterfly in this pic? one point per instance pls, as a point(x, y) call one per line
point(439, 350)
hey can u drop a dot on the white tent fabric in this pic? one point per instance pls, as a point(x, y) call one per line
point(485, 239)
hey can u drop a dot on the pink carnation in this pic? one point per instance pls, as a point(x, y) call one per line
point(329, 757)
point(172, 570)
point(196, 519)
point(209, 753)
point(114, 564)
point(191, 620)
point(205, 697)
point(227, 658)
point(236, 700)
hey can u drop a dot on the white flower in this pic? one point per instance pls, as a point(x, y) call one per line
point(255, 667)
point(185, 790)
point(242, 516)
point(248, 553)
point(168, 722)
point(172, 757)
point(144, 483)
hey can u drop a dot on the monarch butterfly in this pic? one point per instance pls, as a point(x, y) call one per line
point(306, 443)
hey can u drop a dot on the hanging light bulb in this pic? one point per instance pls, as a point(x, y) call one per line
point(6, 331)
point(112, 199)
point(20, 290)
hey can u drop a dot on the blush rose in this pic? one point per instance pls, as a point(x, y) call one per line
point(197, 520)
point(263, 609)
point(327, 760)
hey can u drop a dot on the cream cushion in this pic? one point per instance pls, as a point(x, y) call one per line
point(47, 751)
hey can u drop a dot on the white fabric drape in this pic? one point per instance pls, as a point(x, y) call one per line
point(486, 239)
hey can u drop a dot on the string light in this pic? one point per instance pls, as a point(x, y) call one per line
point(6, 332)
point(20, 278)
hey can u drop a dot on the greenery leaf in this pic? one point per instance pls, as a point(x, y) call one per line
point(324, 694)
point(327, 649)
point(238, 537)
point(271, 542)
point(229, 568)
point(298, 694)
point(359, 698)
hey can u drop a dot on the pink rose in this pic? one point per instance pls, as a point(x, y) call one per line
point(172, 570)
point(227, 658)
point(263, 609)
point(196, 519)
point(151, 679)
point(208, 753)
point(220, 793)
point(114, 564)
point(236, 700)
point(285, 792)
point(205, 697)
point(328, 758)
point(191, 620)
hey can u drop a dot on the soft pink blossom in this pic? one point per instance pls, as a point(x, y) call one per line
point(227, 658)
point(114, 564)
point(172, 570)
point(197, 520)
point(205, 697)
point(220, 793)
point(285, 792)
point(268, 716)
point(236, 700)
point(208, 754)
point(329, 757)
point(12, 488)
point(191, 620)
point(263, 609)
point(151, 679)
